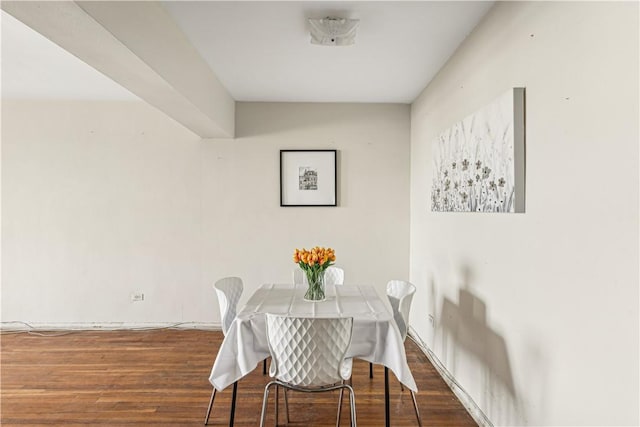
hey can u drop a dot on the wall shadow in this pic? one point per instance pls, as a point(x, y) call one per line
point(470, 344)
point(466, 324)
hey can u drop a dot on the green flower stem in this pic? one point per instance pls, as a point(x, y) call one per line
point(315, 279)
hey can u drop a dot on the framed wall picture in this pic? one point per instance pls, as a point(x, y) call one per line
point(308, 178)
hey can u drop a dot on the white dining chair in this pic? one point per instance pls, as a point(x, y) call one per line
point(333, 276)
point(299, 278)
point(308, 355)
point(229, 290)
point(400, 294)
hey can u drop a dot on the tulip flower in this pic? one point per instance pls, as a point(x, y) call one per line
point(314, 262)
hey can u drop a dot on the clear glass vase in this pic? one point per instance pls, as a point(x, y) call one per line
point(315, 291)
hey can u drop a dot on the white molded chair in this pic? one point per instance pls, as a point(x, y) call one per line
point(333, 276)
point(308, 354)
point(229, 291)
point(299, 278)
point(400, 295)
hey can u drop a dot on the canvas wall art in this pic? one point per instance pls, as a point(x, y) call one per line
point(479, 161)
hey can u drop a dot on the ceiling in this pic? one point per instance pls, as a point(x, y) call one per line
point(260, 51)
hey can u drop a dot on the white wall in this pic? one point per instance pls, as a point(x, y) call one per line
point(247, 232)
point(99, 199)
point(103, 199)
point(537, 313)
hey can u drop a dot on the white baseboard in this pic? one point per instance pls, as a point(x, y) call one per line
point(105, 326)
point(470, 405)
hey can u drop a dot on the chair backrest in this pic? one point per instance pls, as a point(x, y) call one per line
point(309, 352)
point(400, 294)
point(299, 278)
point(334, 276)
point(229, 290)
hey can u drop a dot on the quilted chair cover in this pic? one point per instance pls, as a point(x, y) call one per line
point(334, 276)
point(400, 294)
point(309, 352)
point(229, 291)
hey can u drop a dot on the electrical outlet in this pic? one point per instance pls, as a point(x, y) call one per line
point(137, 296)
point(432, 320)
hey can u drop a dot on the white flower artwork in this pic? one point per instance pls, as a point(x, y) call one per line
point(479, 161)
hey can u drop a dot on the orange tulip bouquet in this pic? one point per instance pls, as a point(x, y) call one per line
point(314, 263)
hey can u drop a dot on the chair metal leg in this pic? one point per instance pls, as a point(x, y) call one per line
point(352, 401)
point(340, 406)
point(415, 406)
point(232, 414)
point(265, 399)
point(342, 386)
point(213, 396)
point(370, 370)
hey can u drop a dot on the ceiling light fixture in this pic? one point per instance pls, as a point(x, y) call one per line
point(331, 31)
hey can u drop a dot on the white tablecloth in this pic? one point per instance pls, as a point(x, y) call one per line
point(375, 337)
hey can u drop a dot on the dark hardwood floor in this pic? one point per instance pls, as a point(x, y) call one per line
point(160, 377)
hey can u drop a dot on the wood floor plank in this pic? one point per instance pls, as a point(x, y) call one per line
point(160, 378)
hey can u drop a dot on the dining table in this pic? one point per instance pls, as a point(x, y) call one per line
point(375, 336)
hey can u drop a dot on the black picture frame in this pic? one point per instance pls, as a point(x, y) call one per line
point(308, 178)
